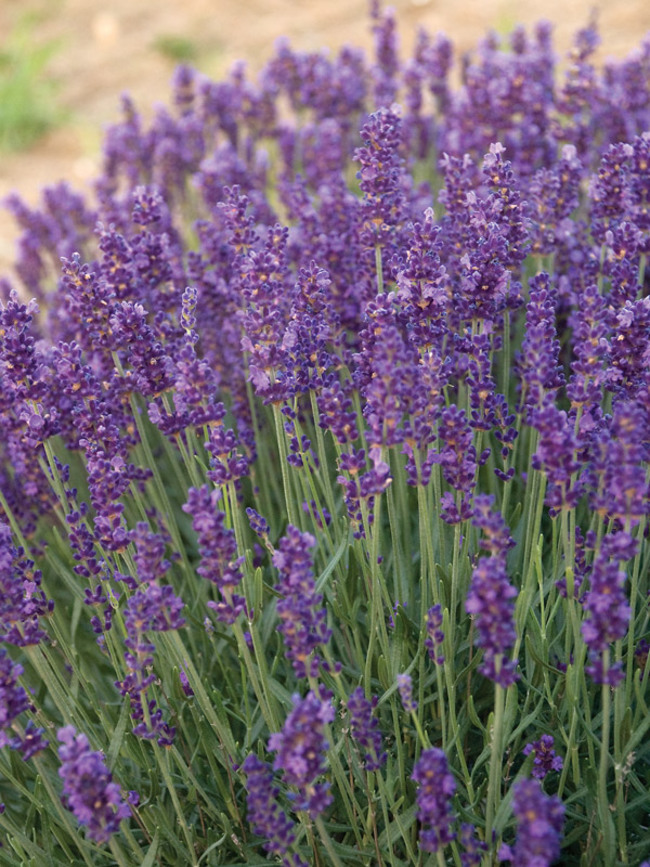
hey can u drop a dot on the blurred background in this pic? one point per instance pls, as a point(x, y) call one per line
point(64, 63)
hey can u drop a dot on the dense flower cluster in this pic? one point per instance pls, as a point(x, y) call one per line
point(368, 352)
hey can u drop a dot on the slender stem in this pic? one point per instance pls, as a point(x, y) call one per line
point(494, 785)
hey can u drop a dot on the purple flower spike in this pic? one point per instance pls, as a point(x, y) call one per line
point(32, 741)
point(218, 550)
point(405, 689)
point(545, 759)
point(88, 789)
point(364, 728)
point(474, 848)
point(540, 820)
point(264, 813)
point(435, 635)
point(13, 698)
point(303, 619)
point(22, 602)
point(301, 748)
point(382, 178)
point(489, 600)
point(436, 786)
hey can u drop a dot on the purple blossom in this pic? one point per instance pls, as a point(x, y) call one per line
point(387, 373)
point(362, 486)
point(436, 786)
point(31, 741)
point(405, 689)
point(264, 813)
point(457, 455)
point(303, 619)
point(607, 613)
point(382, 178)
point(489, 601)
point(556, 456)
point(495, 535)
point(435, 636)
point(217, 549)
point(474, 849)
point(88, 787)
point(152, 608)
point(364, 728)
point(301, 747)
point(621, 490)
point(387, 63)
point(13, 698)
point(540, 820)
point(544, 759)
point(538, 363)
point(22, 601)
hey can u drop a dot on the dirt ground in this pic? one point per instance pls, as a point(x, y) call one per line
point(104, 49)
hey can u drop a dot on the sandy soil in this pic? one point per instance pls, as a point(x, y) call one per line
point(105, 49)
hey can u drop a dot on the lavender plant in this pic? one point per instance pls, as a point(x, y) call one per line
point(324, 471)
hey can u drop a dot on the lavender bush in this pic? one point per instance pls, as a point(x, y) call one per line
point(324, 479)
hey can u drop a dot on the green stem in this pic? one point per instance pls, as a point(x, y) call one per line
point(494, 784)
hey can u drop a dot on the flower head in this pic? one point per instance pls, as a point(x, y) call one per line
point(88, 787)
point(436, 786)
point(301, 748)
point(364, 728)
point(540, 820)
point(545, 759)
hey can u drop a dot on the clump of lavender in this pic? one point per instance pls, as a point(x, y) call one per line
point(88, 787)
point(409, 325)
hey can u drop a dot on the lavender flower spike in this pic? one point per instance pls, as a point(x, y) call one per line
point(540, 820)
point(303, 618)
point(301, 747)
point(489, 601)
point(364, 728)
point(544, 759)
point(264, 813)
point(88, 789)
point(436, 785)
